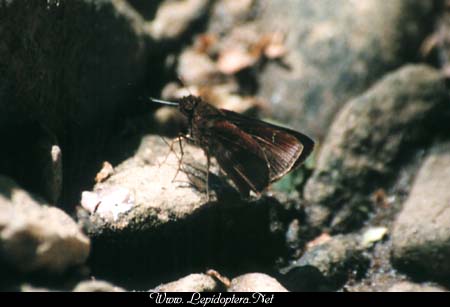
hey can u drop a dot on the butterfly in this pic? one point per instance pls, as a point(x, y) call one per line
point(251, 152)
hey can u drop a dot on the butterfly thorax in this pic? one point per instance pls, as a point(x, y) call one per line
point(201, 117)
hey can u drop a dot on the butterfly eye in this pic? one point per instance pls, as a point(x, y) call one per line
point(189, 106)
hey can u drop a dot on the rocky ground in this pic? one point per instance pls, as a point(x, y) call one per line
point(93, 196)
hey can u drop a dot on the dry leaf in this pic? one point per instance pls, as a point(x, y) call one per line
point(224, 280)
point(270, 45)
point(233, 60)
point(205, 42)
point(106, 171)
point(323, 238)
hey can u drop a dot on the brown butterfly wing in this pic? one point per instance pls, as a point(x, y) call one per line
point(284, 149)
point(239, 156)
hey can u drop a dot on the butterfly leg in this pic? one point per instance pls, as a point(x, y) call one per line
point(180, 159)
point(179, 139)
point(170, 145)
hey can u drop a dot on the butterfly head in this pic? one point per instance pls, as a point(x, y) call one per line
point(188, 104)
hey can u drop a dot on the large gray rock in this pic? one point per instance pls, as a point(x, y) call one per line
point(143, 223)
point(369, 138)
point(332, 51)
point(68, 68)
point(421, 233)
point(34, 236)
point(145, 187)
point(336, 50)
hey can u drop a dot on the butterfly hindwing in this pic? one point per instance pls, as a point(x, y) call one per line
point(240, 157)
point(283, 148)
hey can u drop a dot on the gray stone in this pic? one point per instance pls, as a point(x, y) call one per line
point(34, 236)
point(147, 177)
point(155, 225)
point(73, 91)
point(421, 233)
point(367, 140)
point(437, 44)
point(97, 286)
point(406, 286)
point(33, 159)
point(336, 50)
point(49, 163)
point(174, 18)
point(196, 68)
point(30, 288)
point(255, 282)
point(327, 266)
point(190, 283)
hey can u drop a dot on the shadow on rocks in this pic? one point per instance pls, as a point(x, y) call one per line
point(163, 229)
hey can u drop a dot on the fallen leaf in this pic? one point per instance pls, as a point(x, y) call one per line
point(324, 237)
point(233, 60)
point(205, 42)
point(224, 280)
point(106, 171)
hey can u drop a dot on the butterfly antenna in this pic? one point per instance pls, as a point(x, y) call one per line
point(169, 103)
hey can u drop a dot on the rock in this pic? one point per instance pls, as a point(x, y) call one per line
point(145, 8)
point(336, 50)
point(406, 286)
point(421, 233)
point(255, 282)
point(97, 286)
point(30, 288)
point(436, 46)
point(34, 158)
point(196, 68)
point(373, 235)
point(326, 266)
point(109, 202)
point(50, 163)
point(56, 174)
point(323, 61)
point(73, 93)
point(144, 183)
point(168, 228)
point(174, 18)
point(372, 135)
point(380, 275)
point(227, 14)
point(190, 283)
point(34, 236)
